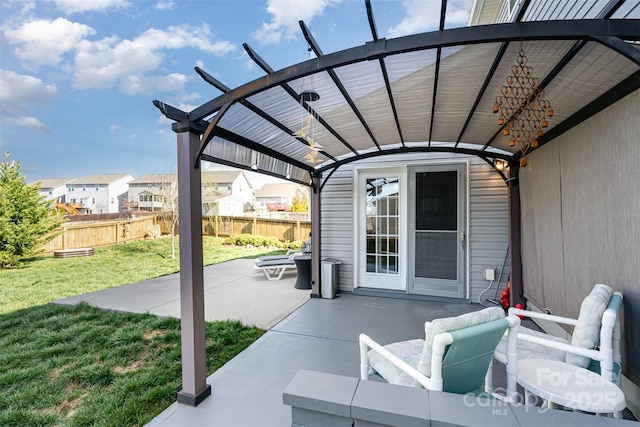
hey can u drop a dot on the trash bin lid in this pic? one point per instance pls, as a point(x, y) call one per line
point(332, 260)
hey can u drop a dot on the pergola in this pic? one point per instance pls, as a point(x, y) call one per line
point(430, 92)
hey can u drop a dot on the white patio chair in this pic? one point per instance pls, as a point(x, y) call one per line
point(595, 343)
point(453, 357)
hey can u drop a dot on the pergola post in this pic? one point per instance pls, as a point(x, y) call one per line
point(194, 370)
point(515, 241)
point(315, 237)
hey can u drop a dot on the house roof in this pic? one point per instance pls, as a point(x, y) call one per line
point(430, 92)
point(101, 179)
point(52, 182)
point(154, 178)
point(276, 190)
point(218, 177)
point(219, 198)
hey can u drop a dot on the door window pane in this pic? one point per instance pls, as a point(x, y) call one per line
point(382, 210)
point(436, 200)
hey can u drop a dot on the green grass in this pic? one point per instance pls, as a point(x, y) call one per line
point(44, 278)
point(78, 366)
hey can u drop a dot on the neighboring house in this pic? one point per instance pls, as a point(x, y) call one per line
point(273, 197)
point(223, 205)
point(99, 193)
point(223, 192)
point(150, 192)
point(228, 183)
point(54, 189)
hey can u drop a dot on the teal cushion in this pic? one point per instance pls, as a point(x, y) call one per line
point(449, 324)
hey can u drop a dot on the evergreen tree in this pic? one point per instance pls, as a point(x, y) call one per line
point(26, 218)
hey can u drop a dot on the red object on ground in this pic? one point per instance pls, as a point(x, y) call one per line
point(521, 307)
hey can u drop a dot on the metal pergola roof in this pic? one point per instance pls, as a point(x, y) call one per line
point(430, 92)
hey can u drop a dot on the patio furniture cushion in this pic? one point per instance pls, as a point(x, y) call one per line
point(532, 350)
point(586, 333)
point(449, 324)
point(408, 351)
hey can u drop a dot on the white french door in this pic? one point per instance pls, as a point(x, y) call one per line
point(381, 235)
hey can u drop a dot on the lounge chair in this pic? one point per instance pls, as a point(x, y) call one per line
point(289, 255)
point(274, 269)
point(595, 343)
point(454, 356)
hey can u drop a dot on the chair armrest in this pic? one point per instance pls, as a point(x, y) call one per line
point(568, 348)
point(542, 316)
point(366, 342)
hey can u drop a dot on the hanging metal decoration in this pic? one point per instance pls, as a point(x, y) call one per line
point(308, 121)
point(521, 105)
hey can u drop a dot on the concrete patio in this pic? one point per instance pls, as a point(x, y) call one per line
point(322, 335)
point(233, 290)
point(303, 334)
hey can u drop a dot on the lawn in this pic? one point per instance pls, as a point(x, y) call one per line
point(80, 366)
point(72, 366)
point(43, 279)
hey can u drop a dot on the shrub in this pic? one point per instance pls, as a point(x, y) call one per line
point(261, 242)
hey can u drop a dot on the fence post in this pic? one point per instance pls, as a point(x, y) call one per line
point(255, 226)
point(215, 226)
point(297, 235)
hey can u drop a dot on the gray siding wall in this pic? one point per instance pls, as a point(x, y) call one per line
point(488, 220)
point(580, 199)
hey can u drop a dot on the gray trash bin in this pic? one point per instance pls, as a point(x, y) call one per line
point(329, 271)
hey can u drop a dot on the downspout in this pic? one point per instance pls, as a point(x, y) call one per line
point(315, 236)
point(515, 241)
point(194, 370)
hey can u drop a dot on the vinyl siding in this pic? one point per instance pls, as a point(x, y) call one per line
point(488, 219)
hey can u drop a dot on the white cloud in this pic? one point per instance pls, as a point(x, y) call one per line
point(285, 15)
point(424, 15)
point(148, 84)
point(28, 122)
point(126, 63)
point(163, 121)
point(44, 42)
point(80, 6)
point(165, 5)
point(18, 92)
point(114, 128)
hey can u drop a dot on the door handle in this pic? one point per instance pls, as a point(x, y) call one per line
point(462, 240)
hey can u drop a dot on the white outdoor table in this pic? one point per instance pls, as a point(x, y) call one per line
point(570, 386)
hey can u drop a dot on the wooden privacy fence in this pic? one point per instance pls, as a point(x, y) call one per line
point(102, 233)
point(83, 234)
point(225, 226)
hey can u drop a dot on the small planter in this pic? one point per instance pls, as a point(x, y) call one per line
point(70, 253)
